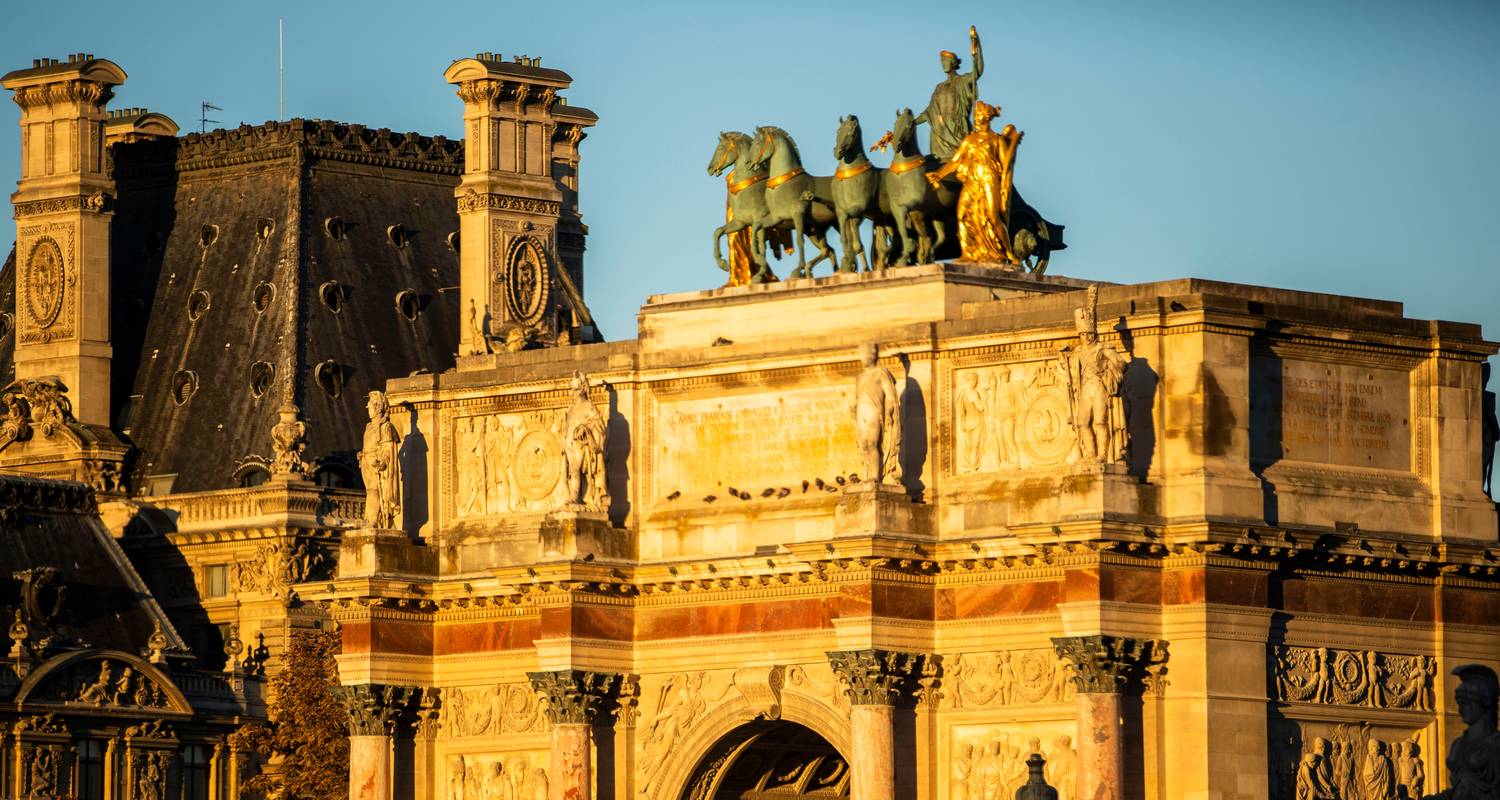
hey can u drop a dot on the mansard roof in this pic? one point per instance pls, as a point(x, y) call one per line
point(104, 603)
point(317, 251)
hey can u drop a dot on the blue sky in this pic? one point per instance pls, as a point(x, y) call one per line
point(1346, 147)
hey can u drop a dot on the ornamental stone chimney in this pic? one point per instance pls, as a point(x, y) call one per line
point(520, 233)
point(62, 228)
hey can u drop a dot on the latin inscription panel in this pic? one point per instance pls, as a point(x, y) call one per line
point(754, 442)
point(1343, 414)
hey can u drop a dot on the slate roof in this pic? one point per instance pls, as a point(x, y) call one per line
point(45, 523)
point(241, 257)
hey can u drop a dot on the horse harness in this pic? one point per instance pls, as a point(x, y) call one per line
point(898, 167)
point(845, 173)
point(784, 177)
point(735, 187)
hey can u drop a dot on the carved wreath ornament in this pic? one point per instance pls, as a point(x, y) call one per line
point(527, 280)
point(45, 278)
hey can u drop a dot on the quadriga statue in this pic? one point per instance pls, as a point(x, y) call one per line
point(379, 466)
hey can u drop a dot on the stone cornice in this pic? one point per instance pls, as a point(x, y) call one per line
point(321, 139)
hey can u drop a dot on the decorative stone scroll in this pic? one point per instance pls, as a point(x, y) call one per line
point(575, 697)
point(1353, 678)
point(1007, 678)
point(875, 677)
point(289, 439)
point(494, 711)
point(1105, 664)
point(375, 709)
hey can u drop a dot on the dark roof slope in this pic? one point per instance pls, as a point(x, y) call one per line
point(242, 257)
point(55, 524)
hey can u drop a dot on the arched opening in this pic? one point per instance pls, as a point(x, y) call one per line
point(769, 760)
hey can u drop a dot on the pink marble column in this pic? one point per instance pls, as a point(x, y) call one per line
point(1105, 670)
point(1101, 750)
point(872, 765)
point(370, 767)
point(573, 775)
point(575, 702)
point(876, 680)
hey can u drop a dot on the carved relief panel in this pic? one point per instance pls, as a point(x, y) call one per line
point(1011, 417)
point(989, 762)
point(1005, 678)
point(492, 711)
point(503, 463)
point(496, 776)
point(1349, 761)
point(1353, 678)
point(46, 282)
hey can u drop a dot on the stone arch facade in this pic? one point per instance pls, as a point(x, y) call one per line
point(816, 714)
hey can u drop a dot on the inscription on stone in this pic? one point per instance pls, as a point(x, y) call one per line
point(1342, 414)
point(754, 442)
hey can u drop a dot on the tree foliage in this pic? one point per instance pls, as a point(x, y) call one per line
point(305, 743)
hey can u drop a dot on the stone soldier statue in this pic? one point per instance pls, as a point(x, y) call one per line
point(379, 466)
point(948, 112)
point(583, 445)
point(1096, 373)
point(877, 419)
point(1474, 757)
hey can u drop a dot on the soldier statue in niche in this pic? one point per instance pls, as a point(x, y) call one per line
point(877, 419)
point(584, 433)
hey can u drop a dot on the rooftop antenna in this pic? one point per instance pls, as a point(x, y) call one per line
point(203, 119)
point(280, 71)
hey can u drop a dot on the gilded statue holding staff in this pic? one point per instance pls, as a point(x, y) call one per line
point(985, 163)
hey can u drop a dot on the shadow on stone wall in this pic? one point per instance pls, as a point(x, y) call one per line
point(617, 461)
point(913, 433)
point(413, 459)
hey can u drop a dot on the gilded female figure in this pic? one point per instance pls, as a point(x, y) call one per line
point(985, 163)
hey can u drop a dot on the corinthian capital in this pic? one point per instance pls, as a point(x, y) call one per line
point(1111, 664)
point(875, 677)
point(375, 709)
point(575, 697)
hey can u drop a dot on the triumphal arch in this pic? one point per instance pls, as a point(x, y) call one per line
point(890, 533)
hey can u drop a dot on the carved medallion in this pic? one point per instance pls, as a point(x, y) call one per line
point(45, 277)
point(1048, 436)
point(538, 465)
point(526, 281)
